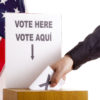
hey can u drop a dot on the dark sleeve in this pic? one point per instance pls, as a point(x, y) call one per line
point(87, 50)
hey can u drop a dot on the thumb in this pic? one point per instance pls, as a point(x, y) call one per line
point(56, 78)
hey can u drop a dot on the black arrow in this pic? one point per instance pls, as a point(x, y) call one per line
point(32, 51)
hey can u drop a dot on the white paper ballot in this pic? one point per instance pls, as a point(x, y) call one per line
point(43, 81)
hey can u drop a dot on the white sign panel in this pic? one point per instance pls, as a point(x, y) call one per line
point(33, 41)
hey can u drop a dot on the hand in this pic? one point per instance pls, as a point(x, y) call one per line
point(61, 68)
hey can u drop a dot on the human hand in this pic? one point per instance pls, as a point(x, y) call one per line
point(61, 68)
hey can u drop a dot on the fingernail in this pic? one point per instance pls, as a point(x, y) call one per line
point(53, 84)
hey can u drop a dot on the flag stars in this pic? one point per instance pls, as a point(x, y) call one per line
point(16, 10)
point(3, 15)
point(3, 1)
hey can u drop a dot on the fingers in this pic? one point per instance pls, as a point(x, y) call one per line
point(64, 77)
point(56, 78)
point(61, 68)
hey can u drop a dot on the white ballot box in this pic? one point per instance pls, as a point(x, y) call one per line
point(33, 41)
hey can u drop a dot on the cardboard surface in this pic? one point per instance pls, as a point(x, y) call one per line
point(30, 46)
point(25, 94)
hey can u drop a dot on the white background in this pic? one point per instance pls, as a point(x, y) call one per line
point(79, 18)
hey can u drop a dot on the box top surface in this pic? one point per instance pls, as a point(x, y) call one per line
point(27, 90)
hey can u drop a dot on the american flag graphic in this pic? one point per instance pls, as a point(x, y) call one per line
point(16, 6)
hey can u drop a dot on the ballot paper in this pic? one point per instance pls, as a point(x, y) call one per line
point(43, 81)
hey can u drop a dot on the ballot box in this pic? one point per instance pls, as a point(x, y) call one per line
point(26, 94)
point(33, 41)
